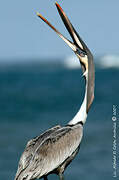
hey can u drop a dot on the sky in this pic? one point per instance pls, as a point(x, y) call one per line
point(24, 35)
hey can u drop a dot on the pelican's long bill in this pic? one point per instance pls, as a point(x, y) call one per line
point(81, 50)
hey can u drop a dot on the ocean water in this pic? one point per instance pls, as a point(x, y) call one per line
point(37, 96)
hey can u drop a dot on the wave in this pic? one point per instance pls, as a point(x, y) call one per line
point(109, 61)
point(71, 62)
point(105, 61)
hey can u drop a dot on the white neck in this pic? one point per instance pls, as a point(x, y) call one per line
point(82, 114)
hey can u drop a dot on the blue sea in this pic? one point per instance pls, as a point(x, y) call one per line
point(35, 96)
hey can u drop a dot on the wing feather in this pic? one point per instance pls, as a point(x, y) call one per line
point(30, 148)
point(55, 150)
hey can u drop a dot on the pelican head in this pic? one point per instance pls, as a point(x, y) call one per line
point(81, 51)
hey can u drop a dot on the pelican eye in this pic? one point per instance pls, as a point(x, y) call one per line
point(80, 53)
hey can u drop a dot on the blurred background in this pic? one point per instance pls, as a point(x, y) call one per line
point(41, 83)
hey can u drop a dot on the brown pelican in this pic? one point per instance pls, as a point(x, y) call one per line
point(52, 151)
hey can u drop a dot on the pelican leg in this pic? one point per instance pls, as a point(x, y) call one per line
point(45, 178)
point(61, 176)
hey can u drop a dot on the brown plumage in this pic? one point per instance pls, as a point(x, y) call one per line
point(49, 153)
